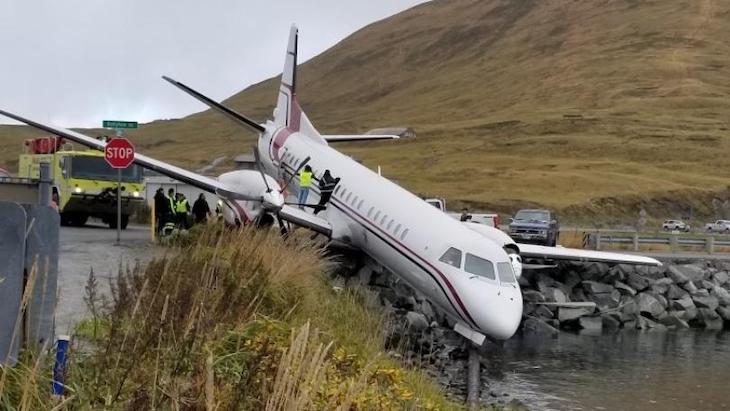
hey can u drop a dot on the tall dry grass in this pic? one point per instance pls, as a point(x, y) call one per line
point(228, 319)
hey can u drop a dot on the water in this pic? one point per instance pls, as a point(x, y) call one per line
point(682, 370)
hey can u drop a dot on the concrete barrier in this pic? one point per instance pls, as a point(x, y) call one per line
point(12, 264)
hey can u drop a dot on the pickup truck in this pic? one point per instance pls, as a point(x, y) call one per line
point(489, 219)
point(719, 226)
point(678, 225)
point(535, 226)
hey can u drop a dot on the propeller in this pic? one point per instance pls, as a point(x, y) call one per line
point(303, 205)
point(301, 165)
point(261, 170)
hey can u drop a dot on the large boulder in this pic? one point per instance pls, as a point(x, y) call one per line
point(570, 280)
point(721, 294)
point(573, 313)
point(532, 296)
point(624, 289)
point(705, 285)
point(545, 282)
point(651, 272)
point(594, 271)
point(692, 272)
point(606, 301)
point(661, 286)
point(594, 287)
point(591, 323)
point(683, 303)
point(536, 326)
point(721, 277)
point(611, 322)
point(637, 282)
point(649, 305)
point(675, 293)
point(673, 319)
point(643, 323)
point(710, 302)
point(554, 295)
point(578, 295)
point(688, 314)
point(724, 313)
point(543, 312)
point(690, 287)
point(416, 322)
point(709, 318)
point(676, 275)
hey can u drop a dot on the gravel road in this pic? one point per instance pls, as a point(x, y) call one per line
point(94, 246)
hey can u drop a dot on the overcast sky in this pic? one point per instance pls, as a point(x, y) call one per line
point(78, 62)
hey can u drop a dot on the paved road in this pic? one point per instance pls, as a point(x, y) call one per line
point(93, 246)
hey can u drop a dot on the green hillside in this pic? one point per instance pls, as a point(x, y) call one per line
point(585, 106)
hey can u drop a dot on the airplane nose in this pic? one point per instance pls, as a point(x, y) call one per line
point(505, 313)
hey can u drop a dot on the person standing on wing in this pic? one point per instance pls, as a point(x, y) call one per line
point(327, 186)
point(305, 181)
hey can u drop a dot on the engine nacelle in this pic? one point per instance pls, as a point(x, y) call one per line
point(250, 184)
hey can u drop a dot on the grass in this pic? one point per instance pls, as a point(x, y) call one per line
point(232, 320)
point(596, 110)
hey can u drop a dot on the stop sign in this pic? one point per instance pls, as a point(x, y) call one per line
point(119, 152)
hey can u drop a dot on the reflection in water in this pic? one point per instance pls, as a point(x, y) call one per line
point(682, 370)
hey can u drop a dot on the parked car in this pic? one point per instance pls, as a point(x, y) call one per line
point(490, 219)
point(678, 225)
point(719, 226)
point(535, 226)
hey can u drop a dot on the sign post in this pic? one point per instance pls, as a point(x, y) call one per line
point(119, 154)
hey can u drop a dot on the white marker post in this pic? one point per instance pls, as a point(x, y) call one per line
point(119, 153)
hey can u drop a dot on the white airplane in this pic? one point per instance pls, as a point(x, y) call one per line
point(468, 270)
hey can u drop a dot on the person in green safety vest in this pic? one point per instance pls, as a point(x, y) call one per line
point(182, 208)
point(305, 181)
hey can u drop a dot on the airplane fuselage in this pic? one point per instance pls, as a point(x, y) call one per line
point(406, 235)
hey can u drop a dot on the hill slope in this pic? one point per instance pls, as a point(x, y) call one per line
point(569, 104)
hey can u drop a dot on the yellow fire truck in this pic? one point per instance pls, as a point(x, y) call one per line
point(86, 186)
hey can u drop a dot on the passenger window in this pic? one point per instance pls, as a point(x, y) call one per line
point(390, 224)
point(382, 220)
point(337, 189)
point(479, 266)
point(344, 191)
point(370, 212)
point(359, 204)
point(506, 275)
point(354, 200)
point(376, 216)
point(452, 257)
point(405, 233)
point(397, 230)
point(348, 197)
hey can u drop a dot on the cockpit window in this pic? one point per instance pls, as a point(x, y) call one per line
point(506, 275)
point(479, 266)
point(452, 256)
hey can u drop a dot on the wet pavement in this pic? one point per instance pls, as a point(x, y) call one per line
point(94, 246)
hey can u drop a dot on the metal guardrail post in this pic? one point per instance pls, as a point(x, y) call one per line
point(636, 241)
point(673, 243)
point(598, 241)
point(710, 244)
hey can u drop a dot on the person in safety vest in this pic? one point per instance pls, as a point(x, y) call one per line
point(182, 208)
point(305, 181)
point(327, 185)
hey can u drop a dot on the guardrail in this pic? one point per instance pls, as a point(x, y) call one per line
point(674, 241)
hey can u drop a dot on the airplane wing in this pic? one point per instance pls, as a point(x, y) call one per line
point(211, 185)
point(334, 138)
point(572, 254)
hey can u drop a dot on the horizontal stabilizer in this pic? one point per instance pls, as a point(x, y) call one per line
point(573, 254)
point(238, 118)
point(333, 138)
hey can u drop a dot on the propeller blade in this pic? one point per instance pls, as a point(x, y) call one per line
point(260, 168)
point(232, 195)
point(303, 163)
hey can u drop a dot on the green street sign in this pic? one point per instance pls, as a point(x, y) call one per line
point(119, 124)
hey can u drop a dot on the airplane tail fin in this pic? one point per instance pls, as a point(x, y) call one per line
point(288, 113)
